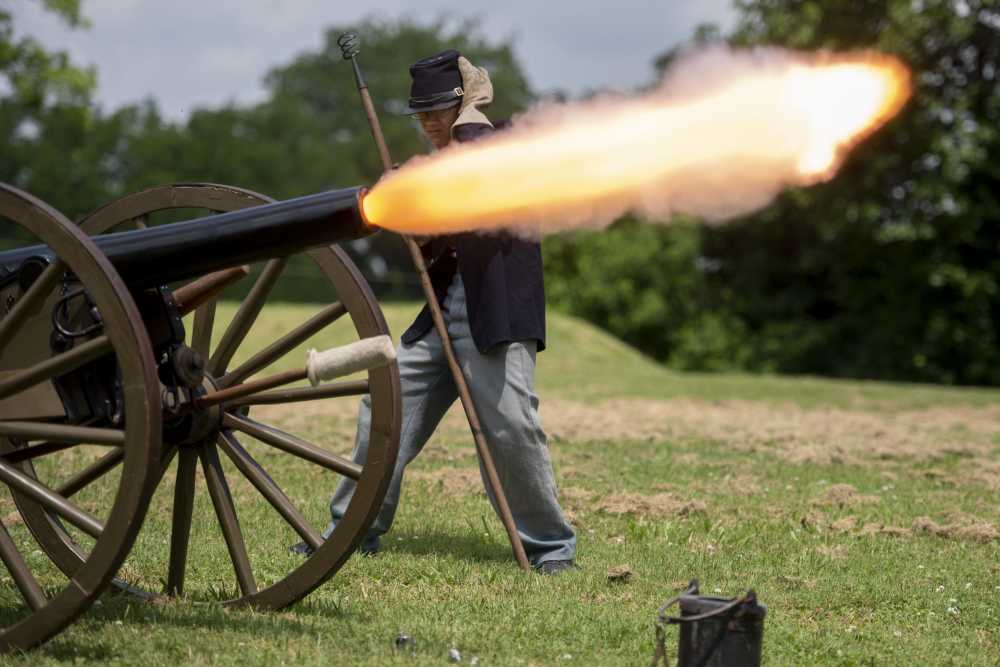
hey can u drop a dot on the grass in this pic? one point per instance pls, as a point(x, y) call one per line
point(879, 555)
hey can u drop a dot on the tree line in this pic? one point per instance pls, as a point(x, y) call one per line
point(889, 271)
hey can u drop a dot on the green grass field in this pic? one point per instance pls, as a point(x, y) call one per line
point(864, 514)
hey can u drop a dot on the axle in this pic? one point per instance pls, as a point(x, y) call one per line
point(184, 250)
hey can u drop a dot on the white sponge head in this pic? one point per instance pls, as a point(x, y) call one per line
point(362, 355)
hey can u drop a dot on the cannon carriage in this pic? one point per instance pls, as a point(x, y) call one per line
point(124, 385)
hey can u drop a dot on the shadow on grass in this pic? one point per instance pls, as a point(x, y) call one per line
point(69, 650)
point(122, 609)
point(201, 615)
point(11, 612)
point(461, 545)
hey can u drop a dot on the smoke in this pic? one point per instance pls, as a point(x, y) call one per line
point(720, 136)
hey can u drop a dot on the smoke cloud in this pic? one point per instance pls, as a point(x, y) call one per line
point(720, 136)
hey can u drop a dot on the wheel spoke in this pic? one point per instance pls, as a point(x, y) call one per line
point(200, 291)
point(249, 388)
point(55, 366)
point(245, 316)
point(180, 531)
point(257, 476)
point(61, 433)
point(204, 320)
point(283, 345)
point(293, 445)
point(19, 572)
point(35, 451)
point(166, 458)
point(91, 473)
point(30, 301)
point(218, 489)
point(332, 390)
point(50, 500)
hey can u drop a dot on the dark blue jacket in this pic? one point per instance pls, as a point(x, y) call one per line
point(502, 275)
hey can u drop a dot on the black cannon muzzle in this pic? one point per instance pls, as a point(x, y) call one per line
point(183, 250)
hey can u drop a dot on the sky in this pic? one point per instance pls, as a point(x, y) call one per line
point(187, 54)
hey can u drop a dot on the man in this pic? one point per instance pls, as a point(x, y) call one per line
point(491, 291)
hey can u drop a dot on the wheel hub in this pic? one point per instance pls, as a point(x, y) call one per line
point(192, 425)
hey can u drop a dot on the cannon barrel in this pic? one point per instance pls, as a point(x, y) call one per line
point(183, 250)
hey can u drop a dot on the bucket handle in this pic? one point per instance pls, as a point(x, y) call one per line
point(660, 652)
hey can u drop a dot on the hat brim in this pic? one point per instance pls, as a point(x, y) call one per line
point(447, 104)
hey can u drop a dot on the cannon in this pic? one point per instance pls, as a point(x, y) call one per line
point(122, 373)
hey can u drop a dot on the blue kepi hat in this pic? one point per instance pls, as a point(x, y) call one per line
point(437, 83)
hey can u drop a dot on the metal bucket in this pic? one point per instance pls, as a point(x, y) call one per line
point(714, 632)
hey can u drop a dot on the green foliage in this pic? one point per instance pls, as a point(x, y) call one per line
point(310, 134)
point(318, 90)
point(646, 285)
point(45, 110)
point(67, 10)
point(638, 281)
point(315, 132)
point(891, 270)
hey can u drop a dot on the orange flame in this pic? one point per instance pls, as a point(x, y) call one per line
point(761, 125)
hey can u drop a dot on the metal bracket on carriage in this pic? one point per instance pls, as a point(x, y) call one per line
point(362, 355)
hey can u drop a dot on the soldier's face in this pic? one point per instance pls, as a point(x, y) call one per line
point(437, 125)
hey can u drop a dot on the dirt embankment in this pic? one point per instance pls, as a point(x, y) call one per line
point(799, 435)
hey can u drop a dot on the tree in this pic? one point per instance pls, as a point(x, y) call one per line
point(890, 270)
point(45, 110)
point(641, 282)
point(314, 122)
point(310, 134)
point(320, 87)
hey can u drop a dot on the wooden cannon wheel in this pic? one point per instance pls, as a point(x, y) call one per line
point(260, 453)
point(38, 448)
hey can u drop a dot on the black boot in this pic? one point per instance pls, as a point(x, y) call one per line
point(551, 567)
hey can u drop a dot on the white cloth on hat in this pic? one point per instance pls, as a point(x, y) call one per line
point(478, 92)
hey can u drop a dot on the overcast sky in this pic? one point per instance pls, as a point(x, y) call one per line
point(187, 53)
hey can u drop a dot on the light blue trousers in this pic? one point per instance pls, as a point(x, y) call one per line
point(502, 387)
